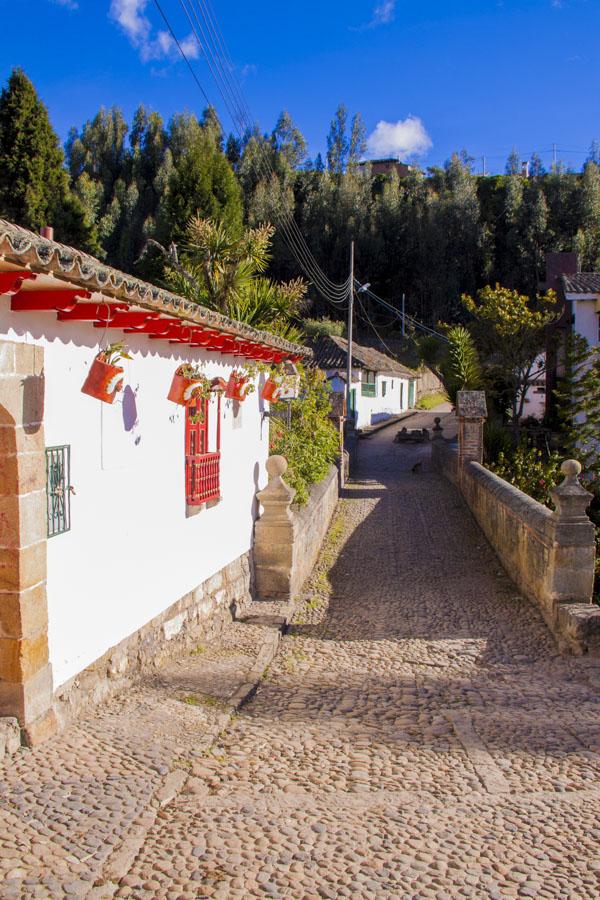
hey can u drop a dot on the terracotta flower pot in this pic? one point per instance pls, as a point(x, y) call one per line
point(271, 390)
point(238, 387)
point(218, 385)
point(103, 381)
point(182, 389)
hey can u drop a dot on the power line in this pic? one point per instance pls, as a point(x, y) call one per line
point(407, 319)
point(232, 95)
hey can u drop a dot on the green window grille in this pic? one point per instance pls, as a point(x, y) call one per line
point(58, 489)
point(368, 386)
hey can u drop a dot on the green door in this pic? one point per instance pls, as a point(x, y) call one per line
point(411, 394)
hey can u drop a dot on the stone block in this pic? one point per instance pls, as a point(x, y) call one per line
point(22, 400)
point(21, 569)
point(23, 614)
point(10, 736)
point(20, 659)
point(28, 359)
point(7, 357)
point(213, 584)
point(22, 473)
point(17, 439)
point(23, 519)
point(28, 701)
point(38, 731)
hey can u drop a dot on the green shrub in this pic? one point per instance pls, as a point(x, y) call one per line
point(529, 470)
point(430, 401)
point(311, 443)
point(497, 439)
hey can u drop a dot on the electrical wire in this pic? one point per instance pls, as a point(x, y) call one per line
point(212, 46)
point(403, 316)
point(367, 317)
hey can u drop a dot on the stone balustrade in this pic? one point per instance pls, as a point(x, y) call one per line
point(549, 554)
point(287, 540)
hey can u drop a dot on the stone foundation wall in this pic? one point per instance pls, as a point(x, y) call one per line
point(199, 616)
point(549, 555)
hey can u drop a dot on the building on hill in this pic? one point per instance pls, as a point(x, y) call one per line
point(579, 297)
point(126, 519)
point(386, 167)
point(381, 386)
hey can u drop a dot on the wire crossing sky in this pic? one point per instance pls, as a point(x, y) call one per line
point(429, 77)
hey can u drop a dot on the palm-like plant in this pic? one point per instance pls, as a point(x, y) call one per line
point(224, 270)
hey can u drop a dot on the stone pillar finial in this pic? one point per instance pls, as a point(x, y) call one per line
point(437, 430)
point(570, 498)
point(471, 410)
point(277, 496)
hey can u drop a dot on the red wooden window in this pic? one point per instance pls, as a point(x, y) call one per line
point(202, 466)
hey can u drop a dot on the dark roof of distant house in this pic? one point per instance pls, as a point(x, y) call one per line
point(582, 283)
point(331, 352)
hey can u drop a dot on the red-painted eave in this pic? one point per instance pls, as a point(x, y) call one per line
point(75, 304)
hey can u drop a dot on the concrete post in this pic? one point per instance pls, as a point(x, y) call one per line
point(274, 536)
point(437, 432)
point(574, 548)
point(471, 411)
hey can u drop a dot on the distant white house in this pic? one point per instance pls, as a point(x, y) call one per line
point(126, 523)
point(381, 386)
point(582, 297)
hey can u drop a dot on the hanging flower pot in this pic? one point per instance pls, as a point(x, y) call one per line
point(272, 389)
point(238, 386)
point(218, 385)
point(188, 385)
point(105, 378)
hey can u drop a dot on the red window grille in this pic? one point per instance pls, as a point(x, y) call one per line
point(202, 467)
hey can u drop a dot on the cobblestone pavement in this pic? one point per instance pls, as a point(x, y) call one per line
point(417, 736)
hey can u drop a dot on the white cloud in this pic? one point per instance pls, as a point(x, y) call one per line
point(407, 137)
point(68, 4)
point(384, 13)
point(130, 16)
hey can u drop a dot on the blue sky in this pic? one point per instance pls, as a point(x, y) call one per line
point(429, 77)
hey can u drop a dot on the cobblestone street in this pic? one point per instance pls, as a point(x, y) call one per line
point(417, 736)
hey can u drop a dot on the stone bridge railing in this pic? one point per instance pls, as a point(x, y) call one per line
point(549, 554)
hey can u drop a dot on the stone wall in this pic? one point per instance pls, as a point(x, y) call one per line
point(25, 671)
point(428, 383)
point(197, 617)
point(286, 540)
point(549, 555)
point(310, 527)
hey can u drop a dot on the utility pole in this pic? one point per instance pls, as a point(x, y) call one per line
point(483, 159)
point(403, 315)
point(554, 157)
point(350, 323)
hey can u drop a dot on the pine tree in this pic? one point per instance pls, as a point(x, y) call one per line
point(337, 142)
point(34, 185)
point(289, 141)
point(358, 140)
point(578, 403)
point(513, 163)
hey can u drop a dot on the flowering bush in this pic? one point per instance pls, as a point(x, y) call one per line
point(529, 470)
point(310, 443)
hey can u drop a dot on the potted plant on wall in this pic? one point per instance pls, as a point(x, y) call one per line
point(282, 384)
point(238, 386)
point(189, 384)
point(105, 378)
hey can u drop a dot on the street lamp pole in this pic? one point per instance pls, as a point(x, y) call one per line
point(350, 324)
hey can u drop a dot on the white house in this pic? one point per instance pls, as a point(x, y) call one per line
point(582, 296)
point(122, 524)
point(381, 386)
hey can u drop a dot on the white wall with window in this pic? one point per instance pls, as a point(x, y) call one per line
point(134, 546)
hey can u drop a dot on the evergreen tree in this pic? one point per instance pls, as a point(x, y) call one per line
point(536, 166)
point(578, 403)
point(34, 185)
point(513, 163)
point(289, 141)
point(338, 145)
point(587, 241)
point(358, 140)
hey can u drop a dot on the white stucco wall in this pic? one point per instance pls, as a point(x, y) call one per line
point(375, 409)
point(131, 551)
point(586, 319)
